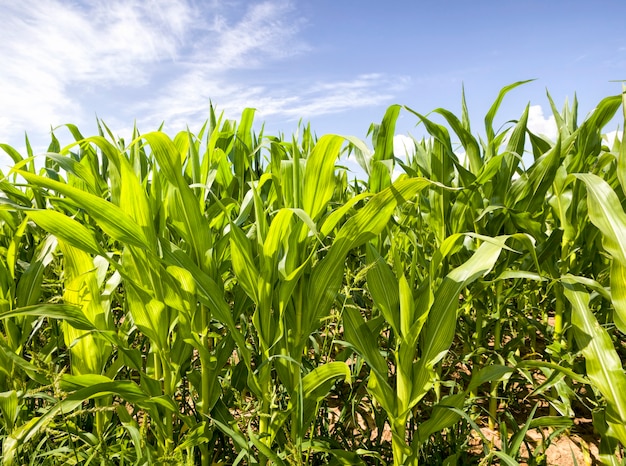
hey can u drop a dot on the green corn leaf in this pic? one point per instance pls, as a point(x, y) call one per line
point(603, 364)
point(67, 229)
point(277, 234)
point(440, 326)
point(289, 281)
point(589, 137)
point(560, 121)
point(185, 206)
point(73, 315)
point(184, 286)
point(382, 393)
point(211, 295)
point(606, 213)
point(505, 458)
point(24, 433)
point(381, 284)
point(330, 222)
point(8, 407)
point(518, 437)
point(368, 222)
point(224, 421)
point(618, 294)
point(11, 359)
point(379, 174)
point(146, 290)
point(82, 289)
point(511, 158)
point(260, 218)
point(134, 201)
point(209, 292)
point(150, 315)
point(496, 105)
point(242, 148)
point(490, 169)
point(385, 134)
point(13, 249)
point(371, 220)
point(17, 198)
point(72, 383)
point(486, 374)
point(316, 382)
point(264, 449)
point(441, 418)
point(166, 154)
point(528, 193)
point(76, 168)
point(551, 421)
point(243, 263)
point(407, 310)
point(316, 385)
point(319, 175)
point(550, 365)
point(442, 155)
point(621, 158)
point(361, 337)
point(29, 289)
point(472, 149)
point(97, 387)
point(361, 152)
point(110, 217)
point(11, 152)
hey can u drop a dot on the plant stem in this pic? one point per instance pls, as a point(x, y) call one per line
point(206, 380)
point(497, 343)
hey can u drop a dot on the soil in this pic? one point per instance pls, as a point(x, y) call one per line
point(572, 450)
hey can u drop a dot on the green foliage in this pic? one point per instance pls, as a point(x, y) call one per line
point(232, 298)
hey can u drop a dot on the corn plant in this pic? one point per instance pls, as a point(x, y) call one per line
point(231, 297)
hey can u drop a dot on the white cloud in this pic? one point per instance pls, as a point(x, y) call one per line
point(159, 60)
point(187, 99)
point(403, 146)
point(611, 136)
point(539, 124)
point(57, 55)
point(266, 30)
point(54, 52)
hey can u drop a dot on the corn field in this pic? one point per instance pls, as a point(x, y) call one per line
point(228, 297)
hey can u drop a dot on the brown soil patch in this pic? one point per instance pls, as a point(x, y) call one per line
point(566, 450)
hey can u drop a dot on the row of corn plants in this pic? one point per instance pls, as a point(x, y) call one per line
point(228, 297)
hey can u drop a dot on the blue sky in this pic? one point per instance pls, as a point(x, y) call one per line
point(336, 64)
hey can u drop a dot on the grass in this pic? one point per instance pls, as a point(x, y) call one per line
point(228, 297)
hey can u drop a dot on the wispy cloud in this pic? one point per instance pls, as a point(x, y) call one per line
point(55, 52)
point(267, 30)
point(161, 60)
point(187, 99)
